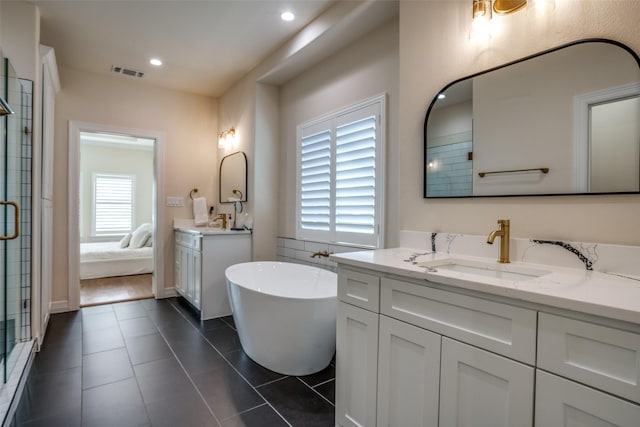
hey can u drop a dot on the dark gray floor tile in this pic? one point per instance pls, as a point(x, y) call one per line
point(253, 372)
point(319, 377)
point(165, 318)
point(147, 348)
point(56, 357)
point(137, 327)
point(105, 367)
point(164, 379)
point(62, 333)
point(115, 404)
point(181, 334)
point(298, 404)
point(229, 321)
point(98, 321)
point(181, 412)
point(206, 325)
point(97, 309)
point(328, 390)
point(129, 310)
point(106, 339)
point(226, 392)
point(66, 419)
point(198, 358)
point(224, 339)
point(51, 395)
point(258, 417)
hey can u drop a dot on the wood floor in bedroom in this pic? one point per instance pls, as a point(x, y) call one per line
point(115, 289)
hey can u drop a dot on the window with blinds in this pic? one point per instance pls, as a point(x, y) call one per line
point(340, 176)
point(113, 197)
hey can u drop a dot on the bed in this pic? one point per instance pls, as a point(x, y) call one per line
point(108, 259)
point(133, 254)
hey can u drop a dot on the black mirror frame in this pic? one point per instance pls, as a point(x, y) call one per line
point(244, 197)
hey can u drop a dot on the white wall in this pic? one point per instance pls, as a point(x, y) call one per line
point(189, 125)
point(123, 161)
point(362, 70)
point(435, 49)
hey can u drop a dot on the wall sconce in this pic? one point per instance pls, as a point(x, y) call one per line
point(227, 139)
point(506, 7)
point(482, 10)
point(5, 110)
point(481, 24)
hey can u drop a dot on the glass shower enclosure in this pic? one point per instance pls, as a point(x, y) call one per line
point(15, 218)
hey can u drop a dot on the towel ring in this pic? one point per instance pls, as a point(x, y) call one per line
point(238, 192)
point(195, 190)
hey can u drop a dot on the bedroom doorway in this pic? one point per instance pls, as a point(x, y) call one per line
point(114, 218)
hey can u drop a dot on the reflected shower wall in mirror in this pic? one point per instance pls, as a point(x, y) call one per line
point(566, 121)
point(233, 178)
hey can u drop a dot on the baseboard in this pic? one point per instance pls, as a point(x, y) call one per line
point(59, 307)
point(170, 292)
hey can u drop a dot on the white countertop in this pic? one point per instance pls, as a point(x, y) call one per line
point(209, 231)
point(592, 292)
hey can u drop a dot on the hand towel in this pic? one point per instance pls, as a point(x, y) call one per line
point(200, 215)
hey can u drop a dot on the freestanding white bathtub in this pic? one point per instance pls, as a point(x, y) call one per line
point(285, 314)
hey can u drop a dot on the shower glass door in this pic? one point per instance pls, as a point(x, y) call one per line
point(11, 195)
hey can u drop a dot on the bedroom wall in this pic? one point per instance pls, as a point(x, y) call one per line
point(136, 162)
point(189, 125)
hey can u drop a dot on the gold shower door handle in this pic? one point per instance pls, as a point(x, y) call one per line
point(16, 223)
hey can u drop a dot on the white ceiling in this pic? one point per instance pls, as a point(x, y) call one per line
point(206, 45)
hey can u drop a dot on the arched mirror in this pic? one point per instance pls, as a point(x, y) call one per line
point(233, 178)
point(564, 121)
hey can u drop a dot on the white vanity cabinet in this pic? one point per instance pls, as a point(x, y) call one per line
point(416, 353)
point(201, 260)
point(423, 376)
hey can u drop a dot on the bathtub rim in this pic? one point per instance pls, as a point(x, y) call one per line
point(231, 282)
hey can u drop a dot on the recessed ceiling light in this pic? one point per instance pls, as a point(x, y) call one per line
point(155, 61)
point(287, 16)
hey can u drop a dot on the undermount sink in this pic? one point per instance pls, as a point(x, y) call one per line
point(490, 269)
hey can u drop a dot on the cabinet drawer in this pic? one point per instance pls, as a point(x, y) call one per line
point(599, 356)
point(359, 289)
point(561, 402)
point(189, 240)
point(501, 328)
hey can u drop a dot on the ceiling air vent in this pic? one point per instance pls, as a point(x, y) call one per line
point(126, 71)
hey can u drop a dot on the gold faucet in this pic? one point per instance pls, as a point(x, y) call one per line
point(223, 217)
point(503, 233)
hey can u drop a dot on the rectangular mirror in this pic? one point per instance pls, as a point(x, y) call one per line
point(564, 121)
point(233, 178)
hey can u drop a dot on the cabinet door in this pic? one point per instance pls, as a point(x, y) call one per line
point(196, 260)
point(408, 375)
point(482, 389)
point(356, 366)
point(561, 402)
point(178, 273)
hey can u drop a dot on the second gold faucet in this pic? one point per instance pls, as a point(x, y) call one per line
point(503, 233)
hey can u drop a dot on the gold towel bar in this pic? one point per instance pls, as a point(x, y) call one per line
point(543, 170)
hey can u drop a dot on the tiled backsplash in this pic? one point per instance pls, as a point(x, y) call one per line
point(606, 258)
point(300, 251)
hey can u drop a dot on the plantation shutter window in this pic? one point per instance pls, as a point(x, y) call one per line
point(340, 176)
point(315, 181)
point(113, 204)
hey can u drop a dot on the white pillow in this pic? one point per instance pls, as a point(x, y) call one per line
point(149, 242)
point(140, 236)
point(124, 242)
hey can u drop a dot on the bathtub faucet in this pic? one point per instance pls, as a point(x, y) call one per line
point(321, 254)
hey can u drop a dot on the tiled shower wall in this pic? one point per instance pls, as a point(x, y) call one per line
point(25, 209)
point(300, 251)
point(452, 174)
